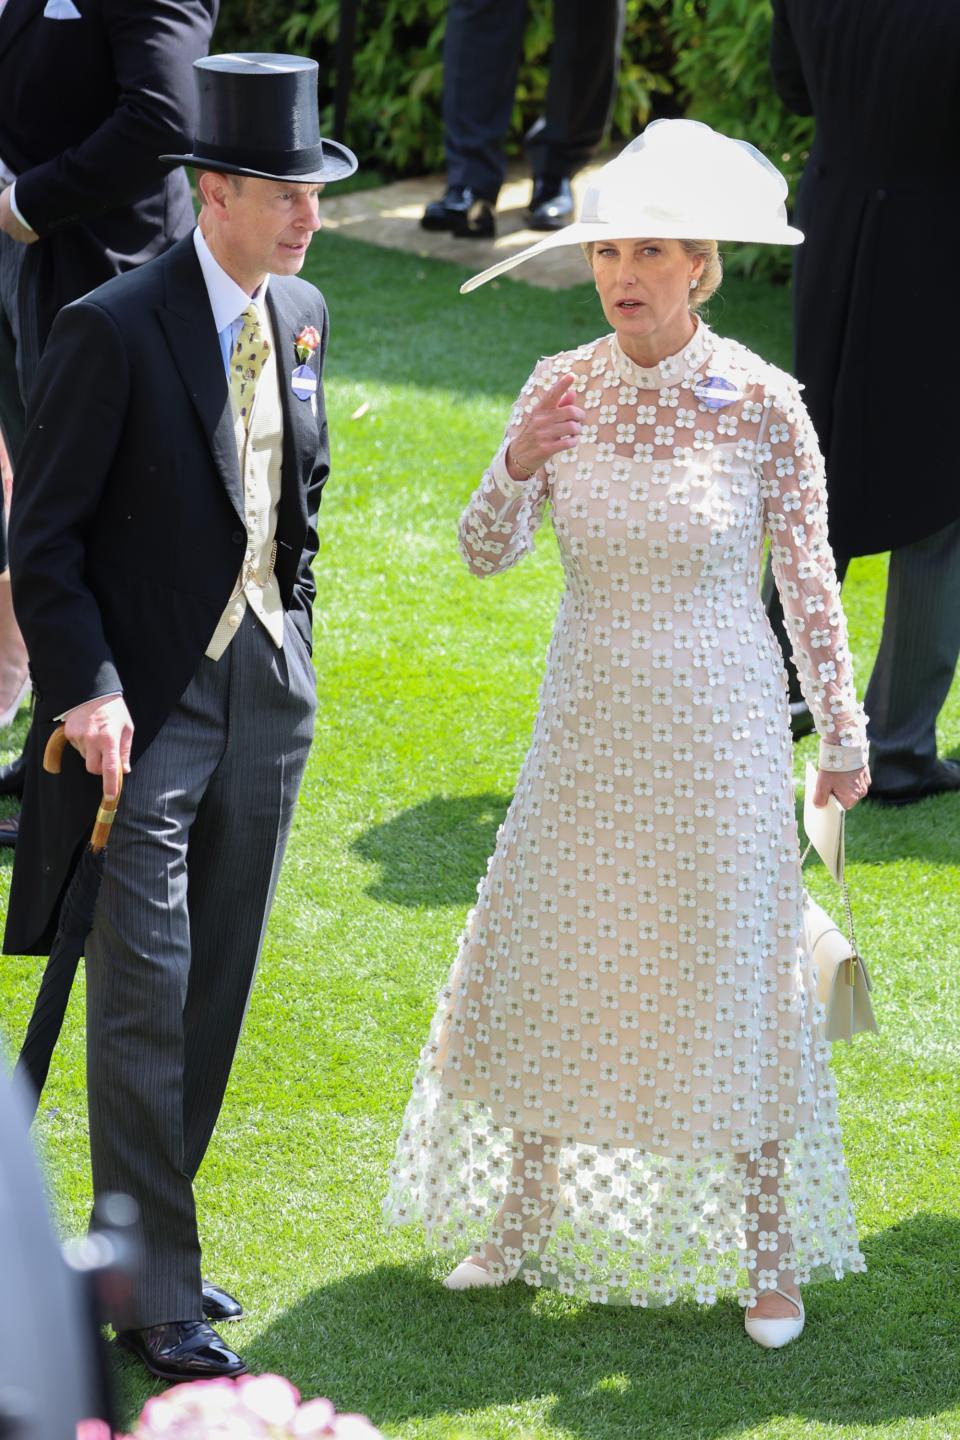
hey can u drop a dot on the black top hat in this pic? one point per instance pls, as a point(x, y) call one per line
point(258, 116)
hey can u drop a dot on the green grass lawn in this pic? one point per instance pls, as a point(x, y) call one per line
point(427, 685)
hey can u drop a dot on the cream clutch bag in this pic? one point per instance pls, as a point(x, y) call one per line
point(843, 982)
point(824, 826)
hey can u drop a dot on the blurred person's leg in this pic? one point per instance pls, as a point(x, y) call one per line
point(14, 681)
point(12, 417)
point(584, 62)
point(914, 667)
point(14, 676)
point(481, 56)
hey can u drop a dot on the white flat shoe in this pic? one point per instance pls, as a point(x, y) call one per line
point(773, 1333)
point(469, 1276)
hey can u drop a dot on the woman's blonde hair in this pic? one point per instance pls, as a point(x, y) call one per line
point(710, 277)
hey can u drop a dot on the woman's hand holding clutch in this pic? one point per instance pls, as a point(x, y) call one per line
point(849, 786)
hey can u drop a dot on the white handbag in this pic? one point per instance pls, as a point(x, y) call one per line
point(842, 979)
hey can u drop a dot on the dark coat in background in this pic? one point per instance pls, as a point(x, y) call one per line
point(879, 203)
point(127, 529)
point(86, 107)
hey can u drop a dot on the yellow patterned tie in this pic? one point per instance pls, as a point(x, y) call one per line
point(247, 361)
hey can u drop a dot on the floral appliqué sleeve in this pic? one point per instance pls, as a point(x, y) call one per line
point(795, 512)
point(498, 525)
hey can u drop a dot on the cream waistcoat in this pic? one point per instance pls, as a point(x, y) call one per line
point(260, 452)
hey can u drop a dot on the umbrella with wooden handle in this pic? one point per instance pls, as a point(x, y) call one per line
point(76, 920)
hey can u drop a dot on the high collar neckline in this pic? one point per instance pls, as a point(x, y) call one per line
point(670, 371)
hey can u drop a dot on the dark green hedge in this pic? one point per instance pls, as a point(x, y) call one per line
point(704, 58)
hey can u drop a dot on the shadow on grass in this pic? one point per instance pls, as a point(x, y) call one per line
point(434, 853)
point(395, 1345)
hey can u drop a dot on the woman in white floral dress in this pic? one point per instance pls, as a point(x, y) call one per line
point(626, 1091)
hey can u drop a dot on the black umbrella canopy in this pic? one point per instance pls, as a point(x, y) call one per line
point(76, 921)
point(50, 1006)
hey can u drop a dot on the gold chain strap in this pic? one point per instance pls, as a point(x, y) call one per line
point(850, 968)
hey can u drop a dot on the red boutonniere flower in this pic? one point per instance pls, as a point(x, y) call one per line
point(306, 342)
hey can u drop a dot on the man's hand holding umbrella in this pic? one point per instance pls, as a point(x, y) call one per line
point(102, 731)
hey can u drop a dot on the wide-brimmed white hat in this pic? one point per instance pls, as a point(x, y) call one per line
point(679, 180)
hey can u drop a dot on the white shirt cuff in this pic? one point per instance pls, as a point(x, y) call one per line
point(110, 695)
point(14, 207)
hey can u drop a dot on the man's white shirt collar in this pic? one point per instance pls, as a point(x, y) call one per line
point(227, 300)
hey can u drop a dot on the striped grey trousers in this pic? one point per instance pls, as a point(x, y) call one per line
point(190, 876)
point(916, 661)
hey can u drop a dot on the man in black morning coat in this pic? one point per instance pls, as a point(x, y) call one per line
point(162, 533)
point(91, 93)
point(879, 203)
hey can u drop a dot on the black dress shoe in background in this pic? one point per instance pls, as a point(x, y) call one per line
point(551, 203)
point(943, 778)
point(12, 777)
point(218, 1305)
point(461, 211)
point(801, 721)
point(182, 1350)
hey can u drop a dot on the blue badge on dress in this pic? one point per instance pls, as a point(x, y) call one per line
point(303, 382)
point(715, 392)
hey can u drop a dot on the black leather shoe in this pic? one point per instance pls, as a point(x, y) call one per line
point(551, 204)
point(801, 721)
point(218, 1305)
point(182, 1350)
point(461, 211)
point(944, 777)
point(12, 776)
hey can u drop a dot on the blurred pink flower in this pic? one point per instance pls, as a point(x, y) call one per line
point(96, 1430)
point(254, 1407)
point(353, 1427)
point(270, 1398)
point(315, 1418)
point(199, 1401)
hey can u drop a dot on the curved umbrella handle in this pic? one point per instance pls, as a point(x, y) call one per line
point(53, 760)
point(53, 753)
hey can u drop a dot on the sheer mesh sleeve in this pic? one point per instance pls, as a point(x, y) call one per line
point(498, 526)
point(795, 512)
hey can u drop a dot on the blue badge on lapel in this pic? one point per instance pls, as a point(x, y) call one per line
point(715, 393)
point(303, 382)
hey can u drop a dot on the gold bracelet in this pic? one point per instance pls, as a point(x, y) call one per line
point(529, 473)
